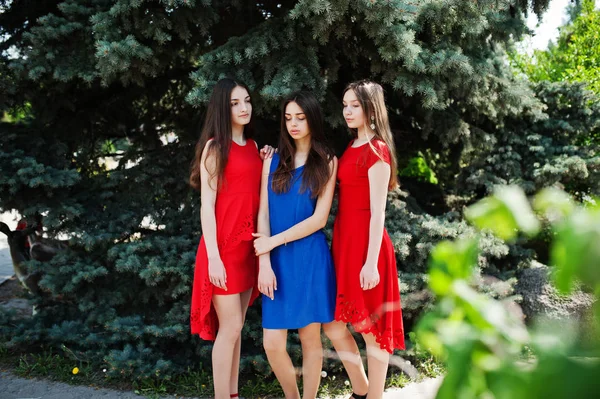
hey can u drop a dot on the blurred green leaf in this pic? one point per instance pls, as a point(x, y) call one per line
point(558, 377)
point(553, 203)
point(488, 314)
point(459, 359)
point(486, 361)
point(431, 341)
point(555, 337)
point(505, 213)
point(490, 213)
point(510, 381)
point(450, 261)
point(515, 200)
point(472, 303)
point(576, 249)
point(481, 340)
point(597, 309)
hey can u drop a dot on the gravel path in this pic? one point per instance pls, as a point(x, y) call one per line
point(13, 387)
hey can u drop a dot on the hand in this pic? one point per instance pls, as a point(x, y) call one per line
point(369, 277)
point(262, 244)
point(266, 152)
point(216, 273)
point(267, 282)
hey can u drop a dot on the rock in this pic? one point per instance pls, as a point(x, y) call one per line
point(540, 298)
point(22, 307)
point(12, 298)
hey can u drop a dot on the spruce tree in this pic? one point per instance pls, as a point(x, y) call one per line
point(104, 98)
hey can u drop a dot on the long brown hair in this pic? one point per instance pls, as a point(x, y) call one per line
point(316, 171)
point(370, 97)
point(217, 126)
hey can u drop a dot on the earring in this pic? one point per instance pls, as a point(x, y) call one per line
point(372, 123)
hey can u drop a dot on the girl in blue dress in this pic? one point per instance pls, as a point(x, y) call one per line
point(296, 274)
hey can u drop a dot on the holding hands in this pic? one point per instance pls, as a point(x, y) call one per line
point(267, 282)
point(262, 244)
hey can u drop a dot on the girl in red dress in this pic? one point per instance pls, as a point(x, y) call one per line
point(368, 296)
point(227, 171)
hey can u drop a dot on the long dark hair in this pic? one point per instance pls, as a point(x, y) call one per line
point(370, 97)
point(316, 171)
point(217, 126)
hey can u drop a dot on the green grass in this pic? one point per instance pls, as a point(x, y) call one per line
point(59, 365)
point(429, 367)
point(54, 366)
point(398, 380)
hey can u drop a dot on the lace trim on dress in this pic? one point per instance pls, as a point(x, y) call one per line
point(365, 323)
point(203, 319)
point(243, 233)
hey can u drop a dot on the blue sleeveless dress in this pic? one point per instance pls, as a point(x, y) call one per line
point(306, 287)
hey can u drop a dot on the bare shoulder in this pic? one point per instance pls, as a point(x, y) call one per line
point(207, 153)
point(209, 144)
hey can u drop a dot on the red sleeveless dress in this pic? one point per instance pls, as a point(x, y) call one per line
point(236, 211)
point(377, 310)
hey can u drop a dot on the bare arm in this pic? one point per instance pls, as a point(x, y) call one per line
point(267, 283)
point(313, 223)
point(208, 197)
point(263, 227)
point(379, 177)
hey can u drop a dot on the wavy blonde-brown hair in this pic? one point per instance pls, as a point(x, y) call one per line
point(371, 99)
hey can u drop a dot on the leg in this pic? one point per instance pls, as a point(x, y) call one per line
point(230, 326)
point(347, 350)
point(235, 364)
point(312, 359)
point(275, 344)
point(378, 360)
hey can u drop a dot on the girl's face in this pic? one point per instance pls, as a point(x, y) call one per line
point(241, 107)
point(295, 121)
point(353, 112)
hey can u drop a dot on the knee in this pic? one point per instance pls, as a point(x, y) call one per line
point(311, 342)
point(312, 349)
point(374, 350)
point(335, 331)
point(231, 330)
point(273, 343)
